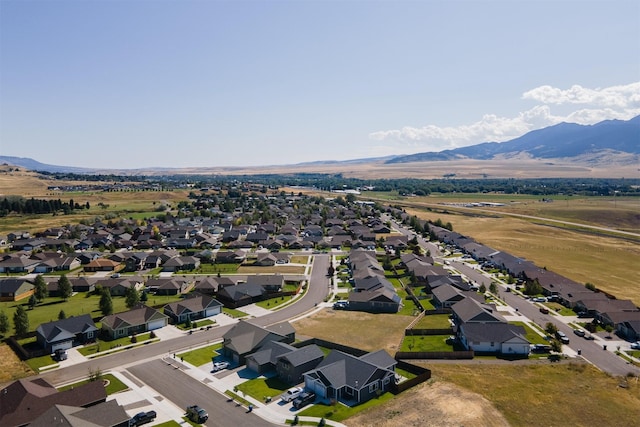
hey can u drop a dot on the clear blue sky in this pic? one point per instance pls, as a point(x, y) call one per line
point(128, 84)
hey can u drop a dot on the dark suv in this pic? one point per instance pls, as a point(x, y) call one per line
point(303, 399)
point(142, 418)
point(197, 414)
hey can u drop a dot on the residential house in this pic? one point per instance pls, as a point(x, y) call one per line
point(105, 414)
point(15, 289)
point(265, 359)
point(351, 379)
point(101, 264)
point(445, 296)
point(18, 264)
point(292, 365)
point(269, 282)
point(25, 400)
point(181, 263)
point(135, 321)
point(169, 285)
point(377, 301)
point(245, 338)
point(209, 285)
point(193, 307)
point(66, 333)
point(241, 294)
point(500, 338)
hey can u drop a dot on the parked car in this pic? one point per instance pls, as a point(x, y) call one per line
point(304, 399)
point(540, 348)
point(59, 355)
point(291, 394)
point(539, 299)
point(579, 332)
point(218, 366)
point(588, 336)
point(636, 345)
point(142, 418)
point(197, 414)
point(341, 305)
point(544, 310)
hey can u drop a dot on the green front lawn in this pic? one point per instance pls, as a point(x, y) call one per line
point(259, 388)
point(339, 412)
point(235, 313)
point(195, 324)
point(115, 385)
point(98, 346)
point(273, 303)
point(421, 343)
point(201, 356)
point(531, 335)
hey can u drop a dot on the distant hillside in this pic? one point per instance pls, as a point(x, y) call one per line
point(564, 140)
point(34, 165)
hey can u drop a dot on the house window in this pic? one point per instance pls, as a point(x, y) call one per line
point(90, 334)
point(373, 387)
point(492, 343)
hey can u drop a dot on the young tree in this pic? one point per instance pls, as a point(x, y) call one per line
point(482, 289)
point(4, 323)
point(64, 287)
point(493, 288)
point(21, 321)
point(40, 288)
point(144, 297)
point(550, 328)
point(105, 304)
point(62, 315)
point(131, 297)
point(32, 302)
point(556, 345)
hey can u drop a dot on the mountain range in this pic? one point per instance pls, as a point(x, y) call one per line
point(605, 143)
point(564, 140)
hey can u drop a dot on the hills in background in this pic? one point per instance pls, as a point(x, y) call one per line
point(565, 149)
point(564, 140)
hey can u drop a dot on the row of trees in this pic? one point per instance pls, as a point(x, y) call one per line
point(20, 205)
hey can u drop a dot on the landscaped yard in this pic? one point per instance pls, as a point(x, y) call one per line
point(114, 386)
point(339, 412)
point(233, 312)
point(434, 321)
point(421, 343)
point(99, 346)
point(201, 356)
point(274, 303)
point(531, 335)
point(260, 388)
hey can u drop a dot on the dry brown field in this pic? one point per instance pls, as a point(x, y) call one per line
point(365, 331)
point(432, 404)
point(11, 367)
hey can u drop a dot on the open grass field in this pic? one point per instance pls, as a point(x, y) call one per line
point(367, 331)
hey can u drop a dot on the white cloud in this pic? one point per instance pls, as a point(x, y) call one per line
point(620, 97)
point(615, 102)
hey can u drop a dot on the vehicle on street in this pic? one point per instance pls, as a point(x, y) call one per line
point(218, 366)
point(291, 394)
point(636, 345)
point(544, 310)
point(564, 339)
point(305, 398)
point(539, 299)
point(588, 336)
point(197, 414)
point(142, 418)
point(579, 332)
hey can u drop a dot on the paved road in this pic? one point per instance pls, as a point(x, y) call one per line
point(317, 291)
point(592, 351)
point(183, 390)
